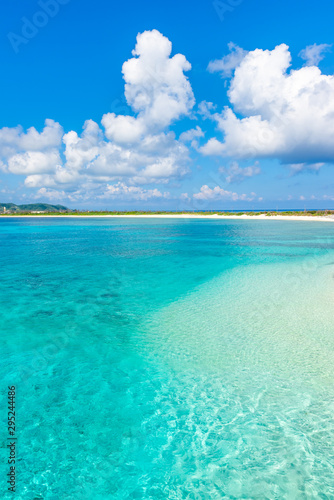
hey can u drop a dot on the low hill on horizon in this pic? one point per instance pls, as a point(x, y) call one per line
point(32, 207)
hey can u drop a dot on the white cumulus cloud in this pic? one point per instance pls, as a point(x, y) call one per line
point(14, 140)
point(33, 162)
point(287, 115)
point(155, 85)
point(139, 148)
point(216, 193)
point(122, 191)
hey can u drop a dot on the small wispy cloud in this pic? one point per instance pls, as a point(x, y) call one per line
point(315, 53)
point(227, 64)
point(236, 174)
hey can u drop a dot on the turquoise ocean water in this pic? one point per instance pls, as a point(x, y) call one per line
point(168, 358)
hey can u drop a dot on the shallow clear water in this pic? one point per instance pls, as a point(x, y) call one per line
point(169, 359)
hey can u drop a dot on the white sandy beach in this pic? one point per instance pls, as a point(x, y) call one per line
point(309, 218)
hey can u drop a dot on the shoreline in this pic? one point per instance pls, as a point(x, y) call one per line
point(187, 216)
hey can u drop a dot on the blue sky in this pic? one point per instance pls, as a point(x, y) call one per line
point(265, 141)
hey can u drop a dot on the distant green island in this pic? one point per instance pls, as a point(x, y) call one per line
point(32, 209)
